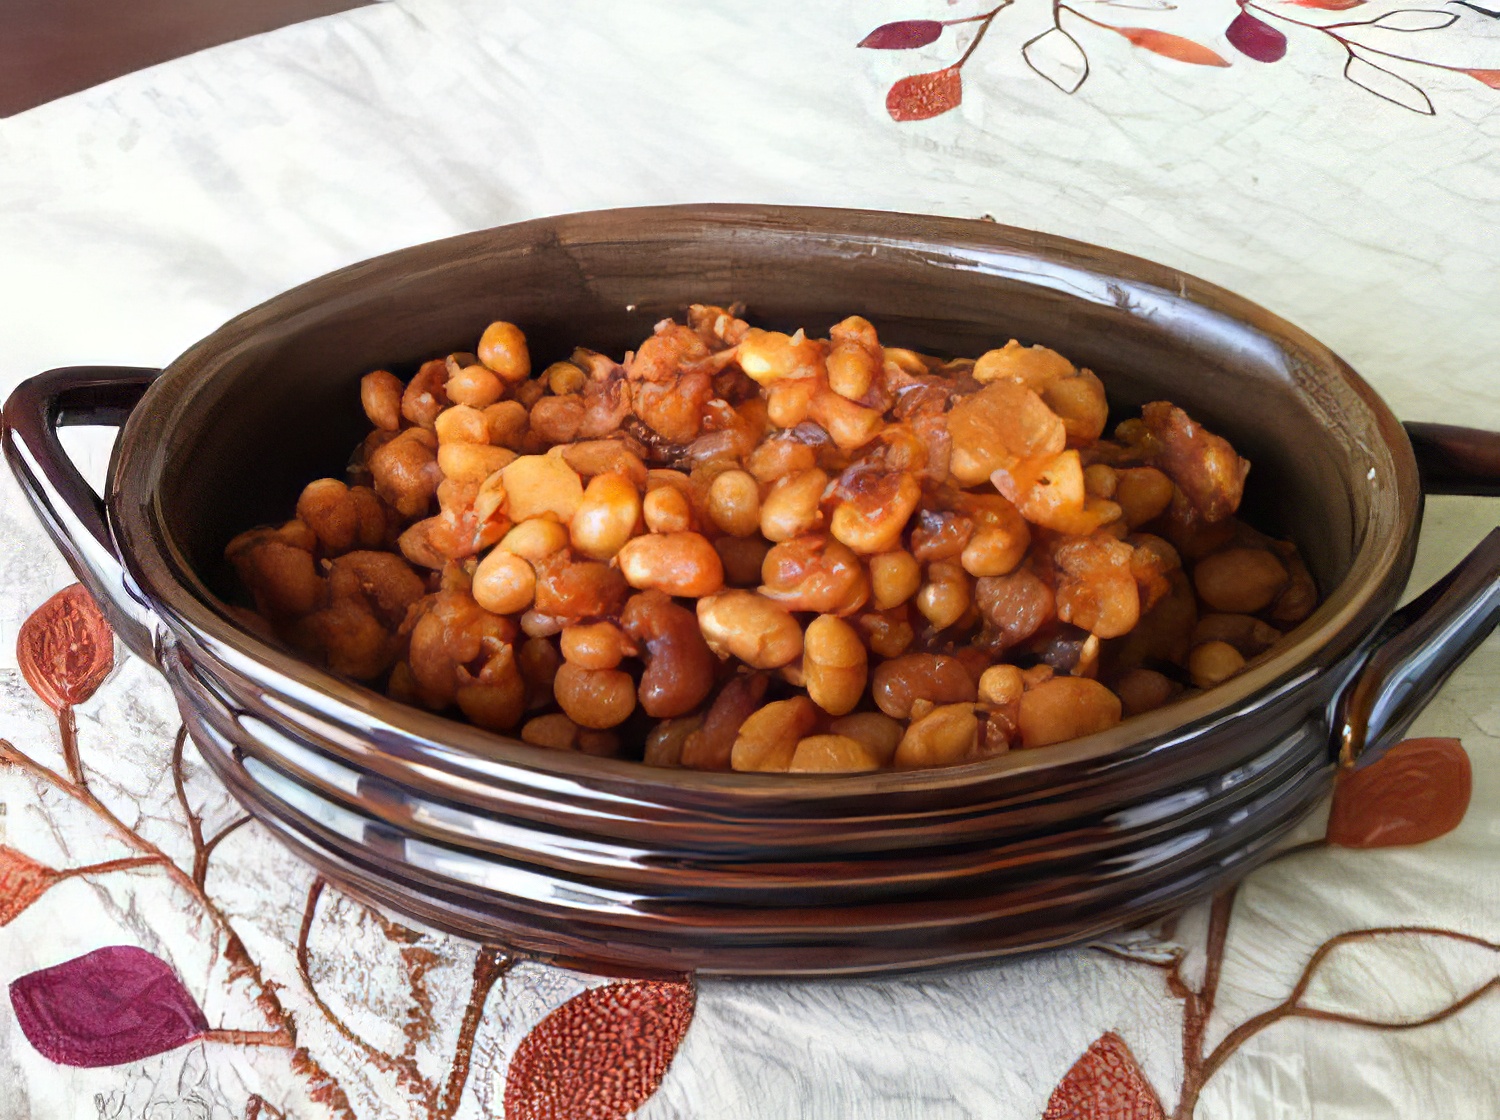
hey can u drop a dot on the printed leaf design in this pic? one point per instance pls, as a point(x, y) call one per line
point(1329, 5)
point(1172, 46)
point(1256, 39)
point(22, 881)
point(1490, 78)
point(115, 1005)
point(1105, 1084)
point(1387, 86)
point(1415, 19)
point(1417, 791)
point(601, 1054)
point(903, 35)
point(923, 96)
point(66, 648)
point(1056, 56)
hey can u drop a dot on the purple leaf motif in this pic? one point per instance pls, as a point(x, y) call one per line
point(903, 35)
point(115, 1005)
point(1256, 39)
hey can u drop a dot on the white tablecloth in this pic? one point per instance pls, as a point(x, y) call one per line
point(136, 217)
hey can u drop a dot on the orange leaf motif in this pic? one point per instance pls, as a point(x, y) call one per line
point(1490, 78)
point(1417, 791)
point(22, 881)
point(1172, 46)
point(601, 1054)
point(66, 648)
point(923, 96)
point(1104, 1084)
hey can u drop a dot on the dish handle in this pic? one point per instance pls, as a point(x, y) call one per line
point(73, 514)
point(1421, 644)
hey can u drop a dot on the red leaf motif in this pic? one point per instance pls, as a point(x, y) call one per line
point(22, 881)
point(601, 1054)
point(115, 1005)
point(66, 648)
point(923, 96)
point(1256, 39)
point(1417, 791)
point(1329, 5)
point(903, 35)
point(1172, 46)
point(1490, 78)
point(1104, 1084)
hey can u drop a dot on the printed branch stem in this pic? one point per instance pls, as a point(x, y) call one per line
point(241, 963)
point(200, 866)
point(490, 964)
point(277, 1038)
point(1204, 1068)
point(67, 727)
point(1198, 1006)
point(1332, 31)
point(404, 1070)
point(110, 865)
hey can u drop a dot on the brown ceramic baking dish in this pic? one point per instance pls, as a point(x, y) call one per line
point(624, 867)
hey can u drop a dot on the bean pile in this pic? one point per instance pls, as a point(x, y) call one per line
point(742, 549)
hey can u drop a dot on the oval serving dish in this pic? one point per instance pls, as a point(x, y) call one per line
point(617, 866)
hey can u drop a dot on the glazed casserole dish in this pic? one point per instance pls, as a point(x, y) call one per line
point(617, 866)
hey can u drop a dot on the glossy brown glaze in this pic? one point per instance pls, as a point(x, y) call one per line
point(621, 866)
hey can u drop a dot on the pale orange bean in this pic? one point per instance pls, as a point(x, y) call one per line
point(1000, 684)
point(1032, 366)
point(596, 698)
point(734, 502)
point(878, 732)
point(595, 645)
point(606, 516)
point(506, 421)
point(945, 736)
point(666, 510)
point(768, 356)
point(832, 754)
point(894, 578)
point(475, 386)
point(750, 627)
point(1063, 708)
point(1144, 493)
point(564, 378)
point(681, 564)
point(665, 741)
point(542, 486)
point(535, 539)
point(792, 507)
point(462, 424)
point(834, 664)
point(472, 462)
point(380, 394)
point(1214, 663)
point(1100, 480)
point(768, 739)
point(870, 528)
point(555, 732)
point(502, 348)
point(504, 583)
point(947, 594)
